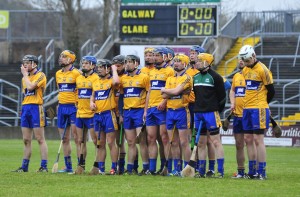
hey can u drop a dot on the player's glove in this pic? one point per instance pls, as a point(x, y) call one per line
point(50, 113)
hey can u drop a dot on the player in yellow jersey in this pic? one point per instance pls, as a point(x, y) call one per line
point(85, 116)
point(256, 114)
point(156, 112)
point(118, 61)
point(33, 116)
point(177, 92)
point(170, 56)
point(103, 103)
point(149, 65)
point(67, 101)
point(236, 95)
point(134, 87)
point(149, 61)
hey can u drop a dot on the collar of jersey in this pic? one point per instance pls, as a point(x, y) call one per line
point(164, 66)
point(137, 72)
point(180, 74)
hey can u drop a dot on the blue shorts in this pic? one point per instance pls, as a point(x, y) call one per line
point(155, 117)
point(256, 119)
point(133, 118)
point(210, 121)
point(66, 112)
point(85, 122)
point(33, 116)
point(178, 117)
point(105, 121)
point(237, 125)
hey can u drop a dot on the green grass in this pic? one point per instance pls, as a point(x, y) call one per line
point(282, 168)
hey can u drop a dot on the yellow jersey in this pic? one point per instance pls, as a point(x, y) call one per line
point(135, 90)
point(256, 79)
point(181, 100)
point(35, 96)
point(66, 83)
point(239, 88)
point(103, 90)
point(192, 72)
point(84, 87)
point(146, 70)
point(158, 78)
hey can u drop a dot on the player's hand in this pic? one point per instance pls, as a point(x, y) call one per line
point(113, 68)
point(24, 70)
point(162, 90)
point(144, 116)
point(232, 107)
point(121, 119)
point(162, 105)
point(93, 106)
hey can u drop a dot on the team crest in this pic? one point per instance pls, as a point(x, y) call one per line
point(70, 79)
point(64, 79)
point(130, 83)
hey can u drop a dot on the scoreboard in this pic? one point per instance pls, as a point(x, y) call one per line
point(180, 21)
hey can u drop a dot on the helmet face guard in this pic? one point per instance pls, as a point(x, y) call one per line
point(246, 53)
point(31, 58)
point(132, 59)
point(103, 63)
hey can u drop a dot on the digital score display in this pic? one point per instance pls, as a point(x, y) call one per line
point(197, 21)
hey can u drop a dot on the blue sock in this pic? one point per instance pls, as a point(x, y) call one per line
point(68, 162)
point(170, 165)
point(176, 162)
point(197, 166)
point(152, 166)
point(101, 166)
point(186, 163)
point(162, 163)
point(136, 164)
point(130, 166)
point(78, 160)
point(180, 165)
point(25, 164)
point(211, 165)
point(114, 165)
point(44, 163)
point(202, 166)
point(252, 167)
point(145, 166)
point(121, 164)
point(241, 172)
point(221, 165)
point(262, 168)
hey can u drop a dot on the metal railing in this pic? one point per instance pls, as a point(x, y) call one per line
point(109, 40)
point(290, 98)
point(49, 56)
point(86, 48)
point(296, 53)
point(16, 101)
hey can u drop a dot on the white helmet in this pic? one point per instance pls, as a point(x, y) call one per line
point(246, 52)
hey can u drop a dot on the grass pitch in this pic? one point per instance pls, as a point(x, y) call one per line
point(283, 173)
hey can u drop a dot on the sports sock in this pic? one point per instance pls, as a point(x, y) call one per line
point(130, 166)
point(25, 164)
point(202, 166)
point(44, 163)
point(252, 167)
point(262, 168)
point(180, 165)
point(96, 164)
point(221, 165)
point(101, 166)
point(114, 165)
point(241, 171)
point(170, 165)
point(162, 163)
point(145, 166)
point(68, 162)
point(177, 164)
point(152, 166)
point(122, 162)
point(186, 163)
point(136, 164)
point(211, 165)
